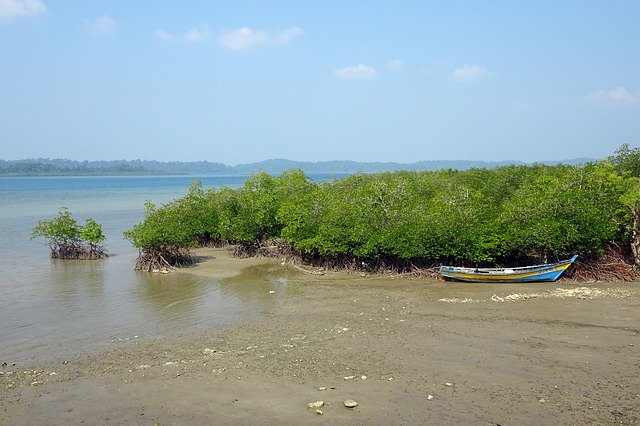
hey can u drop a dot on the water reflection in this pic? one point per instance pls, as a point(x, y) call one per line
point(51, 308)
point(80, 306)
point(173, 299)
point(261, 287)
point(74, 282)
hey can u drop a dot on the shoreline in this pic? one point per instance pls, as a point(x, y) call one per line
point(537, 353)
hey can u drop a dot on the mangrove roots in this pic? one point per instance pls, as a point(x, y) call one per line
point(78, 250)
point(162, 258)
point(615, 264)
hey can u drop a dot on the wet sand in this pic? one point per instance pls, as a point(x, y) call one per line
point(408, 351)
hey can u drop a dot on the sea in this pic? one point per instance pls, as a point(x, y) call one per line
point(52, 309)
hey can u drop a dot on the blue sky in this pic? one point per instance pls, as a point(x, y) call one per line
point(237, 82)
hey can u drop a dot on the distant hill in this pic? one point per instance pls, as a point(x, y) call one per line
point(65, 167)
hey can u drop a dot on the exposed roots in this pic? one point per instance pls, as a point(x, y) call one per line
point(279, 248)
point(207, 241)
point(379, 266)
point(163, 258)
point(78, 250)
point(615, 265)
point(245, 250)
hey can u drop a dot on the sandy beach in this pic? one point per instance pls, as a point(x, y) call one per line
point(407, 350)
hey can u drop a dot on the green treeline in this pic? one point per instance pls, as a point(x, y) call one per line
point(66, 167)
point(70, 168)
point(510, 214)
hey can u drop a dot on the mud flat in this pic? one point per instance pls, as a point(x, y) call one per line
point(407, 351)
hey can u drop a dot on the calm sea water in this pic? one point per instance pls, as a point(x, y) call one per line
point(54, 308)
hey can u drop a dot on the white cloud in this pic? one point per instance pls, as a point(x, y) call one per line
point(469, 74)
point(198, 34)
point(10, 9)
point(619, 96)
point(245, 38)
point(163, 35)
point(356, 72)
point(103, 24)
point(242, 38)
point(287, 35)
point(396, 64)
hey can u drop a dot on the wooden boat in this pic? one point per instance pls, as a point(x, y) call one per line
point(536, 273)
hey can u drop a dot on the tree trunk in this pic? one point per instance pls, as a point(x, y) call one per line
point(635, 236)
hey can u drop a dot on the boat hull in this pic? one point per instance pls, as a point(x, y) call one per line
point(539, 273)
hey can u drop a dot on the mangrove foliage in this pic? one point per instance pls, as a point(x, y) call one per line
point(69, 240)
point(512, 215)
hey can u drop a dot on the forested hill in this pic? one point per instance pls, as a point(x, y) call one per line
point(65, 167)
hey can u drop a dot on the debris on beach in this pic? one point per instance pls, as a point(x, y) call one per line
point(316, 404)
point(560, 293)
point(350, 403)
point(362, 377)
point(458, 300)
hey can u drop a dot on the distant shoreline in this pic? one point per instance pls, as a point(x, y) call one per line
point(92, 175)
point(65, 167)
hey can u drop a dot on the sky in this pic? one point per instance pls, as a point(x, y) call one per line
point(244, 81)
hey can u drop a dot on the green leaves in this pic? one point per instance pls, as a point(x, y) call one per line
point(67, 239)
point(475, 216)
point(626, 160)
point(60, 230)
point(92, 232)
point(164, 226)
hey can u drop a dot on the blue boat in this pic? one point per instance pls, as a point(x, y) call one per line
point(536, 273)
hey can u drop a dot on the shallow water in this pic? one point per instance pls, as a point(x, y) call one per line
point(51, 308)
